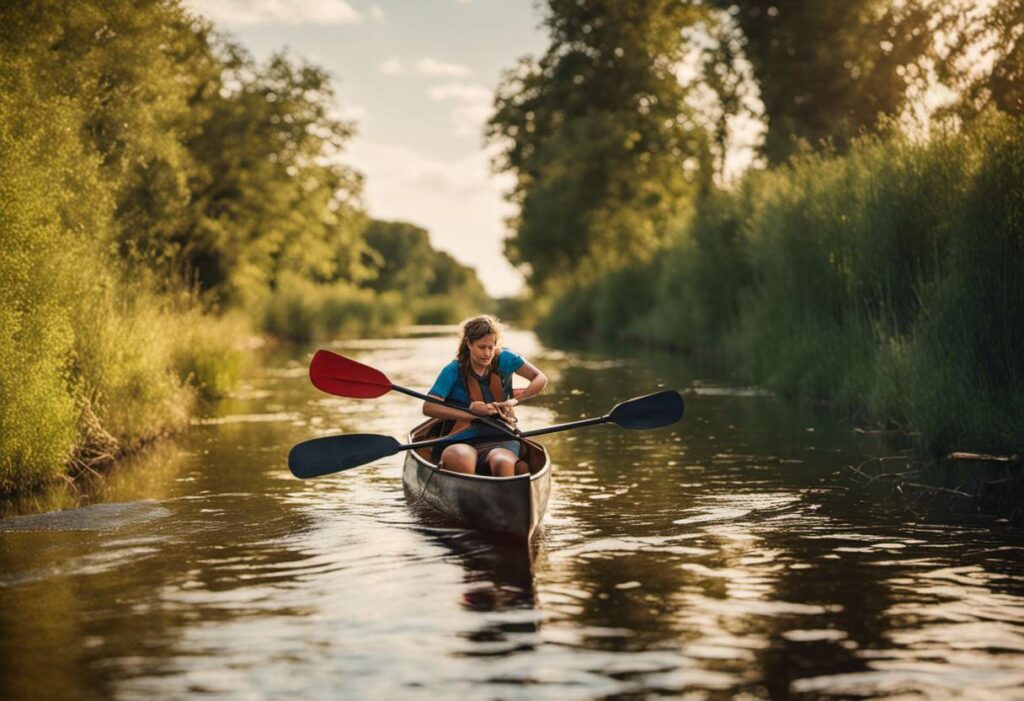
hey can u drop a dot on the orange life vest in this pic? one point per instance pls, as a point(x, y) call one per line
point(476, 395)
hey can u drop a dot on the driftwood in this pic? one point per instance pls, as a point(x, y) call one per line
point(885, 432)
point(985, 457)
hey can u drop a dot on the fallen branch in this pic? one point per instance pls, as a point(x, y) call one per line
point(936, 490)
point(885, 432)
point(891, 475)
point(984, 457)
point(871, 478)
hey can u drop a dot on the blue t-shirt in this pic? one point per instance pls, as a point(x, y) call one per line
point(450, 385)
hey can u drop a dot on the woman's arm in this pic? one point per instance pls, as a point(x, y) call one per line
point(538, 381)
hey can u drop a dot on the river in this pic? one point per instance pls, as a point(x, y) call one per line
point(728, 556)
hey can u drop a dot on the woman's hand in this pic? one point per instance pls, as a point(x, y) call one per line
point(482, 409)
point(505, 409)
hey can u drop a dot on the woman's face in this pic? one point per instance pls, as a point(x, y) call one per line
point(482, 349)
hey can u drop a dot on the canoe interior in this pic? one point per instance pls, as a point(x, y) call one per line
point(534, 455)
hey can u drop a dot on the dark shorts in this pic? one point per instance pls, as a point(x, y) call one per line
point(484, 450)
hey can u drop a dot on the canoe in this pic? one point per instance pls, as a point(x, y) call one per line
point(509, 506)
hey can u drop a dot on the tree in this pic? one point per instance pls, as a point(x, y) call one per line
point(403, 261)
point(599, 137)
point(400, 256)
point(269, 194)
point(984, 63)
point(828, 70)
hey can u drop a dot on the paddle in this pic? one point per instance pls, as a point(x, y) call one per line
point(336, 374)
point(323, 456)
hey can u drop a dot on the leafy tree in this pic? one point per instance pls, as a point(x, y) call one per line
point(984, 62)
point(403, 261)
point(130, 66)
point(598, 136)
point(453, 279)
point(828, 70)
point(400, 256)
point(268, 193)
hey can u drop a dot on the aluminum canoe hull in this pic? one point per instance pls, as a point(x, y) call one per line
point(509, 506)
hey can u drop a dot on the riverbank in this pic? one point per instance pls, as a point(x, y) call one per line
point(165, 196)
point(886, 280)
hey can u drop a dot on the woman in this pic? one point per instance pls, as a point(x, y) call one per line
point(480, 379)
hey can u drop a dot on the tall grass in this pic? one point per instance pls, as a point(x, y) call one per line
point(889, 279)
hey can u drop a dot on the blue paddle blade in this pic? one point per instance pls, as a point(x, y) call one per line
point(650, 411)
point(324, 456)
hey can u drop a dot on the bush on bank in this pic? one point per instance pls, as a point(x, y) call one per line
point(92, 361)
point(888, 279)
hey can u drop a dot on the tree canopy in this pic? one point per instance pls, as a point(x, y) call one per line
point(598, 135)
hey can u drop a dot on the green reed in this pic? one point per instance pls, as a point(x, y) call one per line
point(890, 279)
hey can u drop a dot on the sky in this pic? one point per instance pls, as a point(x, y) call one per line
point(418, 78)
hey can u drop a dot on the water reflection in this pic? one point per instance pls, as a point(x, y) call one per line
point(719, 558)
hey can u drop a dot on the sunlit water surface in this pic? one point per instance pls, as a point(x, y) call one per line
point(724, 557)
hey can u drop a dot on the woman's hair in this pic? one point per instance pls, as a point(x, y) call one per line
point(473, 330)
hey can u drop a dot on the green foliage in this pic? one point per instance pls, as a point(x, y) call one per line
point(87, 346)
point(984, 61)
point(268, 195)
point(965, 350)
point(37, 411)
point(129, 67)
point(399, 254)
point(223, 172)
point(594, 132)
point(124, 361)
point(204, 350)
point(302, 310)
point(408, 282)
point(438, 289)
point(888, 279)
point(827, 70)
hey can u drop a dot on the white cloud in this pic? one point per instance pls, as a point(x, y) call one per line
point(459, 202)
point(473, 106)
point(393, 66)
point(433, 67)
point(240, 12)
point(377, 13)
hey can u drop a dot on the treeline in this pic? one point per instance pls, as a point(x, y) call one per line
point(409, 282)
point(163, 196)
point(868, 255)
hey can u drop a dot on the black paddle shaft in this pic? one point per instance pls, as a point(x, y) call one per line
point(566, 426)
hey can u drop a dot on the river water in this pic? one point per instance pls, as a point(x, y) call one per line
point(725, 557)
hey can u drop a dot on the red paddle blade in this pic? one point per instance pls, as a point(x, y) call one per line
point(336, 374)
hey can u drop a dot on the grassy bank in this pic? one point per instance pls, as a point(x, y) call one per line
point(94, 359)
point(888, 279)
